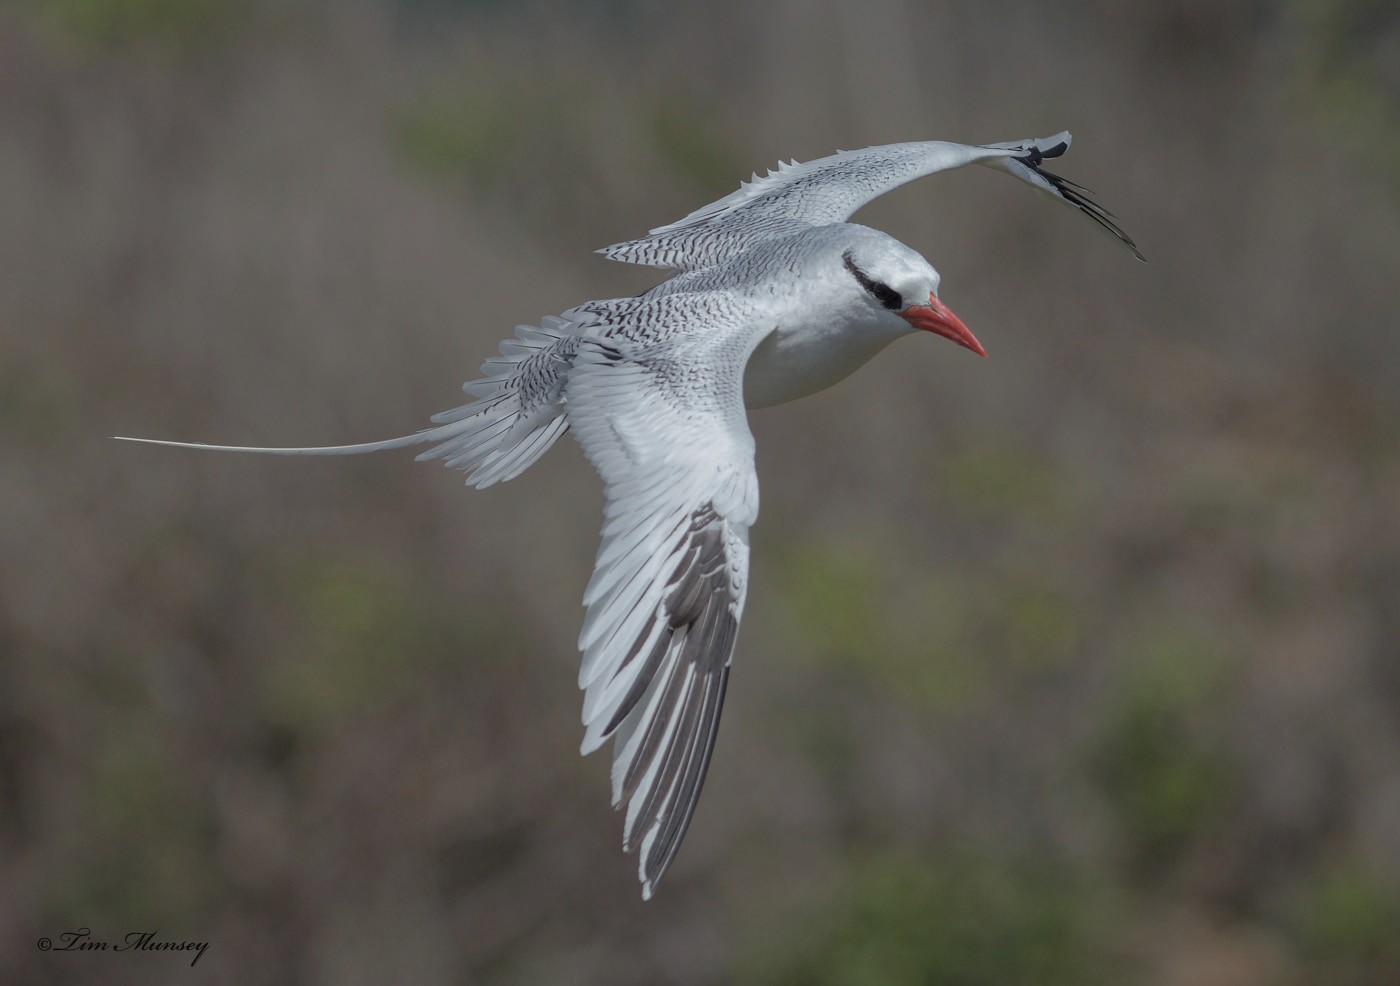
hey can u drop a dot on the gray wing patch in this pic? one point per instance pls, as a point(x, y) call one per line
point(666, 749)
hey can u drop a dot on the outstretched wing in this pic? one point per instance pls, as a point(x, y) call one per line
point(830, 189)
point(665, 427)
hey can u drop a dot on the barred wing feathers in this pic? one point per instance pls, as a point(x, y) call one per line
point(830, 189)
point(664, 425)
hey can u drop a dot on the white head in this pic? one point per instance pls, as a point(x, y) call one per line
point(893, 282)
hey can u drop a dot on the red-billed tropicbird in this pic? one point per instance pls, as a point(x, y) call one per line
point(776, 297)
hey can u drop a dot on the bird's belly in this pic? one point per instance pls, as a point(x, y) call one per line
point(789, 365)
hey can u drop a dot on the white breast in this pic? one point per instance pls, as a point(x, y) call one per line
point(793, 362)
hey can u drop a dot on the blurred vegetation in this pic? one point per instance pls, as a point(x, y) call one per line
point(1347, 920)
point(514, 137)
point(363, 638)
point(1002, 480)
point(1164, 766)
point(1352, 61)
point(160, 23)
point(912, 639)
point(692, 145)
point(947, 919)
point(474, 133)
point(149, 865)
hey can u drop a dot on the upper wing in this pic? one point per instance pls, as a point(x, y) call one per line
point(665, 427)
point(830, 189)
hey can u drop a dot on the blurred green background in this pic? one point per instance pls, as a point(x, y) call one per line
point(1077, 665)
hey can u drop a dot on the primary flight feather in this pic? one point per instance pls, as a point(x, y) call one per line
point(776, 297)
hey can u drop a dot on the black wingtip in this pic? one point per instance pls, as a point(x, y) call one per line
point(1078, 196)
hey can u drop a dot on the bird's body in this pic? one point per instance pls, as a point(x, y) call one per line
point(777, 297)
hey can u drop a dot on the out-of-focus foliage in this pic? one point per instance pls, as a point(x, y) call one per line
point(948, 918)
point(120, 23)
point(1352, 50)
point(1347, 919)
point(514, 137)
point(1164, 765)
point(1118, 607)
point(1003, 482)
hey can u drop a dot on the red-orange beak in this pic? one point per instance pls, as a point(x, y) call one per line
point(936, 317)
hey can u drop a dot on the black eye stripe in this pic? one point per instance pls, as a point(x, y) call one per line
point(886, 295)
point(883, 293)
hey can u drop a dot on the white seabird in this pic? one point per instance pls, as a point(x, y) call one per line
point(776, 297)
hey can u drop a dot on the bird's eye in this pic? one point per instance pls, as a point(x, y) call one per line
point(886, 295)
point(881, 291)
